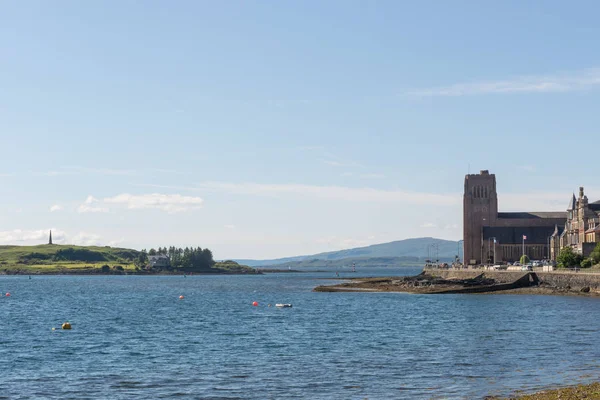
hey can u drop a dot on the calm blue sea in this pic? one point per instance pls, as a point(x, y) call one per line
point(132, 337)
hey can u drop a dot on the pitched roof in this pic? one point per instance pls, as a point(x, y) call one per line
point(533, 215)
point(592, 230)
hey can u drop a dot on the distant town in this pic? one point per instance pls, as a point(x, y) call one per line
point(544, 239)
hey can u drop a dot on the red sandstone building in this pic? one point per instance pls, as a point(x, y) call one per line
point(487, 232)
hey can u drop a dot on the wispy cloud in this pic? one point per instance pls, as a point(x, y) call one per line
point(56, 207)
point(86, 239)
point(170, 203)
point(332, 192)
point(89, 206)
point(563, 82)
point(429, 225)
point(77, 170)
point(335, 163)
point(229, 226)
point(523, 201)
point(371, 176)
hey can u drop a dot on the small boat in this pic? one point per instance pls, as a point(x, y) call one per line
point(282, 305)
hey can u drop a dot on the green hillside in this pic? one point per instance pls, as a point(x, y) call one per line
point(70, 259)
point(52, 253)
point(420, 248)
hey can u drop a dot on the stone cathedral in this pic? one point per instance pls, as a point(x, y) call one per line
point(487, 231)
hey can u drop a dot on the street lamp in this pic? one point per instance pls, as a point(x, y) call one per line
point(494, 249)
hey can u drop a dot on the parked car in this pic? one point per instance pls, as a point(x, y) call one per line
point(527, 268)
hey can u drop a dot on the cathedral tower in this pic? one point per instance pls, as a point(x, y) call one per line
point(480, 208)
point(50, 238)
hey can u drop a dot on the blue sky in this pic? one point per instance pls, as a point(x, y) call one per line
point(263, 129)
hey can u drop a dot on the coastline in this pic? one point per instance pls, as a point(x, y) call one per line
point(474, 282)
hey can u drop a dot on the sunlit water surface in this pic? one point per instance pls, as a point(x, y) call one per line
point(133, 337)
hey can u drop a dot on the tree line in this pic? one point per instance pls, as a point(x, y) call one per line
point(187, 259)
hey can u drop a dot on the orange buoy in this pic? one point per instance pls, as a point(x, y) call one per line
point(181, 297)
point(66, 325)
point(255, 303)
point(7, 294)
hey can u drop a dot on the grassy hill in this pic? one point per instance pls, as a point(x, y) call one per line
point(70, 259)
point(50, 253)
point(417, 248)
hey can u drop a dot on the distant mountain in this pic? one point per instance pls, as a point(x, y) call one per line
point(347, 263)
point(417, 248)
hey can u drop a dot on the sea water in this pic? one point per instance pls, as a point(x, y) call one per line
point(133, 337)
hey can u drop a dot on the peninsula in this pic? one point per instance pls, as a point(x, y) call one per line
point(87, 260)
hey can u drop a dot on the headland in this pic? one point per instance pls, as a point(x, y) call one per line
point(55, 259)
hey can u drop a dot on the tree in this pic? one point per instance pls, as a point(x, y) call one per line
point(141, 260)
point(568, 258)
point(105, 269)
point(595, 254)
point(524, 259)
point(585, 263)
point(152, 252)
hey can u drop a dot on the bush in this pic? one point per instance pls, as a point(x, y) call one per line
point(105, 269)
point(568, 258)
point(595, 255)
point(524, 259)
point(586, 263)
point(119, 268)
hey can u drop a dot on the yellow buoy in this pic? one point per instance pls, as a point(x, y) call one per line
point(66, 325)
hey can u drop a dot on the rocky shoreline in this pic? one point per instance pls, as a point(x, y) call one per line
point(431, 282)
point(579, 392)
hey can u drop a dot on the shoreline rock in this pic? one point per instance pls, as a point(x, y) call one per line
point(467, 282)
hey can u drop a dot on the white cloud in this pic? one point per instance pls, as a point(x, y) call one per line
point(88, 206)
point(24, 237)
point(40, 236)
point(56, 207)
point(575, 80)
point(170, 203)
point(115, 243)
point(429, 225)
point(229, 226)
point(86, 239)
